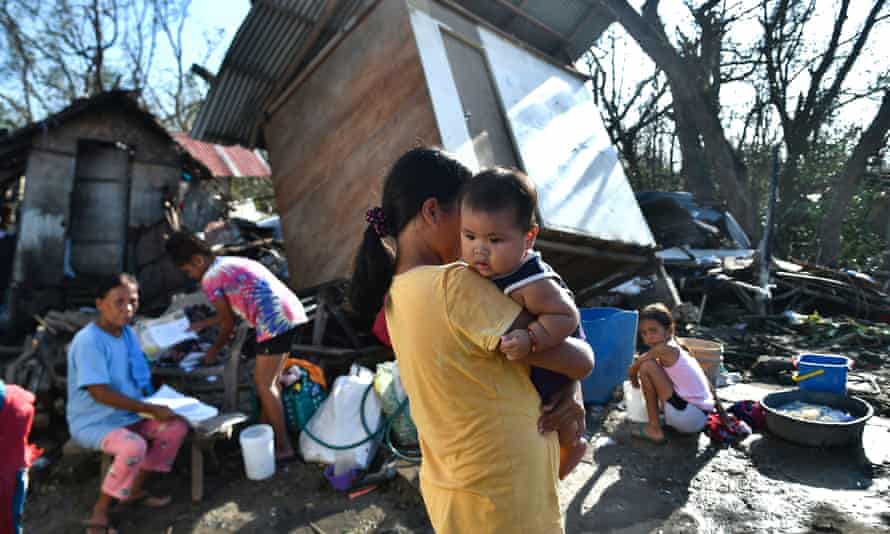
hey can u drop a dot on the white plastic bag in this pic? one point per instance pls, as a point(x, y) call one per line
point(338, 422)
point(388, 385)
point(635, 403)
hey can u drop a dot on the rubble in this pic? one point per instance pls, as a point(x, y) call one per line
point(763, 348)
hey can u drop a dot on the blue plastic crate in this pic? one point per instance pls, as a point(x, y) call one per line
point(612, 333)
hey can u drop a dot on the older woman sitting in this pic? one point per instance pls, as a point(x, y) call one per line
point(105, 385)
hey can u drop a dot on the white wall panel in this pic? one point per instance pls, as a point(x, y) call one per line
point(564, 147)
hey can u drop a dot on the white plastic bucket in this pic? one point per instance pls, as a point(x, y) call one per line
point(258, 449)
point(635, 403)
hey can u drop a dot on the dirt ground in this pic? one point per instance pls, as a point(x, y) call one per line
point(624, 486)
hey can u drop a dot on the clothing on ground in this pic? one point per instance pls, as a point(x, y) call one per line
point(97, 357)
point(132, 453)
point(486, 468)
point(255, 294)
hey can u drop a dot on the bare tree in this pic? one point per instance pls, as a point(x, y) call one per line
point(693, 70)
point(792, 59)
point(628, 111)
point(847, 181)
point(59, 50)
point(178, 102)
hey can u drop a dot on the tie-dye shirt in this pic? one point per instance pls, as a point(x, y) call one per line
point(255, 294)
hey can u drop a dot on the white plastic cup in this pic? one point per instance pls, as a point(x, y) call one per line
point(635, 403)
point(258, 450)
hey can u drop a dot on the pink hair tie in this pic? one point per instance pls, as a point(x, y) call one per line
point(377, 220)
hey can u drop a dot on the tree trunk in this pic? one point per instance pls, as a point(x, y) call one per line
point(628, 147)
point(695, 172)
point(847, 181)
point(686, 80)
point(796, 146)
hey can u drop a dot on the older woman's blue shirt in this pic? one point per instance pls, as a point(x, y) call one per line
point(97, 357)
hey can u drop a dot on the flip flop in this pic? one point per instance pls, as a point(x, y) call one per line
point(104, 527)
point(150, 501)
point(641, 434)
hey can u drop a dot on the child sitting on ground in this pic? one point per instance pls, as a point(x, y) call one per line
point(498, 231)
point(670, 378)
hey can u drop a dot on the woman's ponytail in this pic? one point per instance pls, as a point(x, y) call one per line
point(420, 174)
point(374, 269)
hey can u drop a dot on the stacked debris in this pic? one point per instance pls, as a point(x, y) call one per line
point(42, 366)
point(763, 347)
point(796, 285)
point(239, 237)
point(713, 262)
point(804, 287)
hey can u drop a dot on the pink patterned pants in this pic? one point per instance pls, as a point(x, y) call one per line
point(132, 453)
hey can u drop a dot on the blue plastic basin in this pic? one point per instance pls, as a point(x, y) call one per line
point(612, 334)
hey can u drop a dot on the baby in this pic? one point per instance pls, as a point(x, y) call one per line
point(498, 231)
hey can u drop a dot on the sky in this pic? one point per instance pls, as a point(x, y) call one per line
point(637, 66)
point(205, 15)
point(220, 18)
point(225, 17)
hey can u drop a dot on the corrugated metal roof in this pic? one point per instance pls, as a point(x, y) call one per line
point(225, 161)
point(15, 145)
point(270, 37)
point(258, 62)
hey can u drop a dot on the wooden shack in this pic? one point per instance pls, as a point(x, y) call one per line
point(96, 177)
point(371, 80)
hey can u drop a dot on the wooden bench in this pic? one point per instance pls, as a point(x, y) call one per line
point(201, 439)
point(337, 349)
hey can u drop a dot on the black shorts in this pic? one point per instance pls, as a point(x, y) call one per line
point(280, 344)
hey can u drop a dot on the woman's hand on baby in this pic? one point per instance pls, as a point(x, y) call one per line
point(516, 345)
point(565, 406)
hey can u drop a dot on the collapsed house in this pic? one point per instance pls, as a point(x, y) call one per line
point(96, 177)
point(337, 91)
point(709, 255)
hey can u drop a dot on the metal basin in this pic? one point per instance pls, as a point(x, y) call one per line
point(817, 433)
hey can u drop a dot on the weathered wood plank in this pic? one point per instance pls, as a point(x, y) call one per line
point(333, 140)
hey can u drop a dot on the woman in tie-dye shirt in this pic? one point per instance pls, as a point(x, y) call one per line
point(244, 287)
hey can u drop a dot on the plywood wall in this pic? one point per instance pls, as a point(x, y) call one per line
point(332, 142)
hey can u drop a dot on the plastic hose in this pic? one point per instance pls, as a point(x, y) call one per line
point(382, 434)
point(386, 433)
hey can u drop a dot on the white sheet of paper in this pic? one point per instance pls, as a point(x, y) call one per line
point(191, 409)
point(167, 334)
